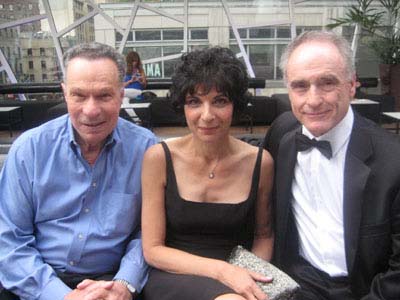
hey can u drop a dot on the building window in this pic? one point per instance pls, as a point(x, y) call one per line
point(43, 64)
point(11, 7)
point(118, 36)
point(31, 77)
point(29, 52)
point(283, 32)
point(242, 33)
point(175, 34)
point(148, 35)
point(30, 65)
point(44, 77)
point(30, 6)
point(198, 34)
point(42, 52)
point(264, 47)
point(169, 65)
point(261, 33)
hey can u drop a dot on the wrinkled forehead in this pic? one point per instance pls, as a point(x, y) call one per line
point(313, 59)
point(100, 68)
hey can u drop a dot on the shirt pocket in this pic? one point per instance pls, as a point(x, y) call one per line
point(121, 213)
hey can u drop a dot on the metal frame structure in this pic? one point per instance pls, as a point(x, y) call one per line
point(125, 31)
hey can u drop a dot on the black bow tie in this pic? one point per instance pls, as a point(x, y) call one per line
point(303, 143)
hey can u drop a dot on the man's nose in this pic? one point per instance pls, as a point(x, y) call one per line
point(315, 96)
point(91, 107)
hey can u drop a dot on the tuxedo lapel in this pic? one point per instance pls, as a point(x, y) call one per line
point(356, 173)
point(286, 161)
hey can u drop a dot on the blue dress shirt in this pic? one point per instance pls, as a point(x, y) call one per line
point(59, 214)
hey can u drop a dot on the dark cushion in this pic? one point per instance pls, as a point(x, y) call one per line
point(282, 103)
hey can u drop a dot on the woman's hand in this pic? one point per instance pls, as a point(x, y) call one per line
point(133, 79)
point(243, 282)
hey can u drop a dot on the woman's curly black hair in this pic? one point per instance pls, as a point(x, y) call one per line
point(213, 67)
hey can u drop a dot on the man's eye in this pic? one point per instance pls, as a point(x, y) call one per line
point(299, 86)
point(328, 84)
point(77, 96)
point(105, 97)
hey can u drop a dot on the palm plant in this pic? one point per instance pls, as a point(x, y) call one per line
point(379, 27)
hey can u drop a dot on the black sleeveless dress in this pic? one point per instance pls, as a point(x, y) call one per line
point(206, 229)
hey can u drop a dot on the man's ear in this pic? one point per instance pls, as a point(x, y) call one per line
point(353, 86)
point(64, 89)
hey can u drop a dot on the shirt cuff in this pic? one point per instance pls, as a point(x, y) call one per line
point(135, 275)
point(54, 290)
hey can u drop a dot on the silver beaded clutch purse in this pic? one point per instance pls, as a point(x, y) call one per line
point(283, 287)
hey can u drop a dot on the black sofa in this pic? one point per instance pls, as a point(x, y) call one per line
point(262, 112)
point(34, 113)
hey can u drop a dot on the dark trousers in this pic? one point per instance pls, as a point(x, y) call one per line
point(318, 285)
point(71, 280)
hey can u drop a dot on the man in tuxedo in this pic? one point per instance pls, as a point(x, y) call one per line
point(337, 185)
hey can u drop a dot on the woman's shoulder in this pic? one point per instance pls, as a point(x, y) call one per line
point(244, 147)
point(155, 154)
point(177, 142)
point(252, 151)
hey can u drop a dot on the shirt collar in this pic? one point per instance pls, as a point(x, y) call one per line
point(111, 140)
point(338, 135)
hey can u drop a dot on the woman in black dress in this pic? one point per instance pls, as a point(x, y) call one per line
point(206, 192)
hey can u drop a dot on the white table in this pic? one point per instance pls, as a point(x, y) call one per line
point(395, 116)
point(136, 105)
point(364, 101)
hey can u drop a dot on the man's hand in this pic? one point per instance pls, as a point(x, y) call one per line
point(96, 290)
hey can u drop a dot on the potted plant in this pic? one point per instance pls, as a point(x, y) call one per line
point(378, 28)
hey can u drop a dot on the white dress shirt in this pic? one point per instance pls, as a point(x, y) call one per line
point(317, 190)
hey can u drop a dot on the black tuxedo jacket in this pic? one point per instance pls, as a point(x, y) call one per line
point(371, 211)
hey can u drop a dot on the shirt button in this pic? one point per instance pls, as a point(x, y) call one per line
point(94, 184)
point(80, 236)
point(86, 210)
point(72, 263)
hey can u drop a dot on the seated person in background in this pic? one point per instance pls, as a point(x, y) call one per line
point(337, 195)
point(70, 192)
point(206, 192)
point(135, 78)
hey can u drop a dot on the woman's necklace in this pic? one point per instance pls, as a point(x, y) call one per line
point(211, 175)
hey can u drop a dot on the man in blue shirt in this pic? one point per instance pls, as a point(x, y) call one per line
point(70, 194)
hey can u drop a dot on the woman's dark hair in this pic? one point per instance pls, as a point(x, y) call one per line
point(213, 67)
point(130, 58)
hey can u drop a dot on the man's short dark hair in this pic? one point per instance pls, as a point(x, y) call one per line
point(93, 51)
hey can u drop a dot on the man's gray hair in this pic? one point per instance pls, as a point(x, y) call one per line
point(321, 36)
point(93, 51)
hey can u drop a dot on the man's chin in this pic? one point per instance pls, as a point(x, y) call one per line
point(317, 130)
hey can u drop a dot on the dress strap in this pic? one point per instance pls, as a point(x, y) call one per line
point(170, 168)
point(256, 174)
